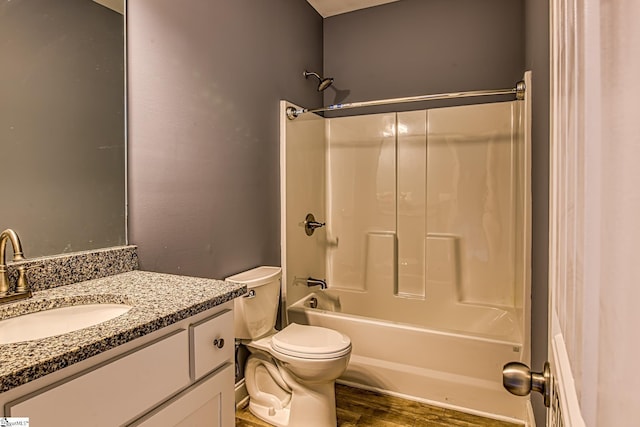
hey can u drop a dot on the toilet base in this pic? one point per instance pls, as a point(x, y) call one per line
point(315, 407)
point(276, 417)
point(288, 391)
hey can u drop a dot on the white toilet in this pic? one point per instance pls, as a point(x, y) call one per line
point(290, 374)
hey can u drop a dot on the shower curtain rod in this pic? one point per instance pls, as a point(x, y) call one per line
point(518, 91)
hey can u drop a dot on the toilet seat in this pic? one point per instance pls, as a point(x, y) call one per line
point(310, 342)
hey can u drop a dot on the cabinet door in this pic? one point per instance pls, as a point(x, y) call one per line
point(208, 403)
point(114, 393)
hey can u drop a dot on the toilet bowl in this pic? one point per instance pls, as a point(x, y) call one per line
point(290, 375)
point(299, 387)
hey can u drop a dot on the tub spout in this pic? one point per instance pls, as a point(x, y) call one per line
point(316, 282)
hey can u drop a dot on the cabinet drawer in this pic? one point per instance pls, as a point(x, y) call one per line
point(112, 393)
point(212, 343)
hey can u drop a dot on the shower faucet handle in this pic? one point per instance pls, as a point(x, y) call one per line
point(310, 224)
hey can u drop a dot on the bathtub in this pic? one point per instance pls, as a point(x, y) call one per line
point(459, 367)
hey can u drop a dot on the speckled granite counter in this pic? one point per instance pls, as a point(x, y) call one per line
point(158, 300)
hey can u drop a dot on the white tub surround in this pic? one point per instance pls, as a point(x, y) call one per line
point(425, 251)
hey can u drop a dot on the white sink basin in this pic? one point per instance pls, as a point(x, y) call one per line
point(57, 321)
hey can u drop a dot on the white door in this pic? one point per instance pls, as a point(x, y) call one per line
point(594, 254)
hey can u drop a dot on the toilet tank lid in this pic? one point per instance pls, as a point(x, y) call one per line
point(257, 276)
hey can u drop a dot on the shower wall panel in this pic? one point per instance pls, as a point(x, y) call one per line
point(471, 196)
point(302, 157)
point(430, 198)
point(411, 202)
point(522, 148)
point(361, 194)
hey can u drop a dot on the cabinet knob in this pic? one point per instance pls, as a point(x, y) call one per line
point(218, 342)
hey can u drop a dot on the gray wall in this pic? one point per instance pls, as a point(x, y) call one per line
point(62, 140)
point(416, 47)
point(204, 86)
point(205, 80)
point(537, 59)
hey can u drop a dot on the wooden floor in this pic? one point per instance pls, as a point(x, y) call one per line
point(357, 407)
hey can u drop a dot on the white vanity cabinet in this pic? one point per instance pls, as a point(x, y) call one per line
point(177, 376)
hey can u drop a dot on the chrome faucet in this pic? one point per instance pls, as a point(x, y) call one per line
point(22, 287)
point(315, 282)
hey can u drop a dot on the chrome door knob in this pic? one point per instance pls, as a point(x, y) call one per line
point(518, 379)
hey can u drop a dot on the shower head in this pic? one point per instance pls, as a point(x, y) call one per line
point(323, 83)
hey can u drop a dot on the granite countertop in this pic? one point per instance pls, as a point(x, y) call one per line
point(158, 300)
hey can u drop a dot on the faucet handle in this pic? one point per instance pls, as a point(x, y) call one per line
point(18, 256)
point(23, 283)
point(310, 224)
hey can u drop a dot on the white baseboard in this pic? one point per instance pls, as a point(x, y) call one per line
point(242, 395)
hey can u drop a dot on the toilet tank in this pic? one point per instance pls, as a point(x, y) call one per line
point(256, 311)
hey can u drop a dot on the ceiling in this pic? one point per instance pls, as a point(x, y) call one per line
point(116, 5)
point(328, 8)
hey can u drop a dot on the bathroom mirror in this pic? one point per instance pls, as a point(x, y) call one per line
point(62, 124)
